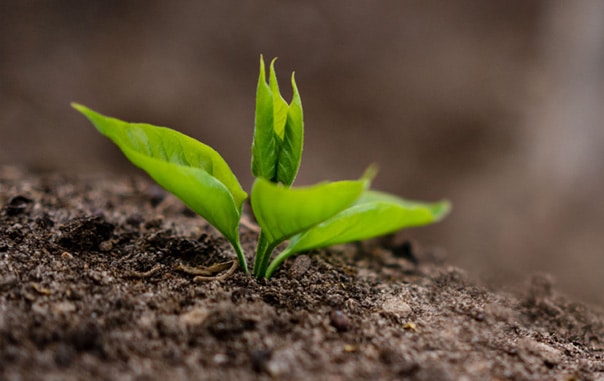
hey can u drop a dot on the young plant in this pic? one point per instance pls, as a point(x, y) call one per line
point(309, 217)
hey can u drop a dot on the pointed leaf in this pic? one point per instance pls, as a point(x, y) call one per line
point(373, 215)
point(278, 131)
point(189, 169)
point(279, 104)
point(282, 212)
point(264, 146)
point(290, 154)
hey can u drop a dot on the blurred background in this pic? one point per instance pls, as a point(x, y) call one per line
point(494, 105)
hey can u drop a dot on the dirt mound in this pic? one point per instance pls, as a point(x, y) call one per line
point(92, 287)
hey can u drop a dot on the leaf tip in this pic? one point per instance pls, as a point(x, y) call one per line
point(370, 173)
point(87, 112)
point(262, 75)
point(79, 107)
point(441, 209)
point(273, 77)
point(296, 93)
point(273, 63)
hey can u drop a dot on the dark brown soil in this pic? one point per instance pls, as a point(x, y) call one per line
point(90, 289)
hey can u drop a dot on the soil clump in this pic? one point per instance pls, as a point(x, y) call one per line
point(94, 285)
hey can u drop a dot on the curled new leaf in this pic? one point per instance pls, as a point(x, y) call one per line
point(374, 214)
point(279, 104)
point(264, 145)
point(189, 169)
point(290, 153)
point(278, 130)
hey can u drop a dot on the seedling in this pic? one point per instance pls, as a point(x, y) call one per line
point(309, 217)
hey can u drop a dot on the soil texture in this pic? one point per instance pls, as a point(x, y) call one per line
point(97, 282)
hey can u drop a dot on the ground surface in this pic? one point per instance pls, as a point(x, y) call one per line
point(92, 287)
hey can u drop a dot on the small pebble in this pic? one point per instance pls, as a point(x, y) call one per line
point(300, 266)
point(106, 246)
point(134, 220)
point(194, 317)
point(63, 307)
point(394, 305)
point(350, 348)
point(411, 326)
point(100, 213)
point(339, 320)
point(17, 205)
point(220, 359)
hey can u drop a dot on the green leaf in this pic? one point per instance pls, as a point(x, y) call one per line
point(290, 154)
point(278, 130)
point(282, 212)
point(279, 104)
point(189, 169)
point(373, 215)
point(265, 144)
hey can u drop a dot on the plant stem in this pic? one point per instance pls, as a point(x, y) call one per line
point(240, 256)
point(263, 254)
point(277, 261)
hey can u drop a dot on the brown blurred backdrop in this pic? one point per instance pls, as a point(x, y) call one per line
point(494, 105)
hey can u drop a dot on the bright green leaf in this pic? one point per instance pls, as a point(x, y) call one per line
point(265, 144)
point(374, 214)
point(282, 212)
point(279, 104)
point(278, 130)
point(290, 153)
point(189, 169)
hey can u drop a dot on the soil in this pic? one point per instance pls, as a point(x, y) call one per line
point(92, 287)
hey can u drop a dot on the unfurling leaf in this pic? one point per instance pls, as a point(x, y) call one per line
point(290, 153)
point(278, 130)
point(264, 145)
